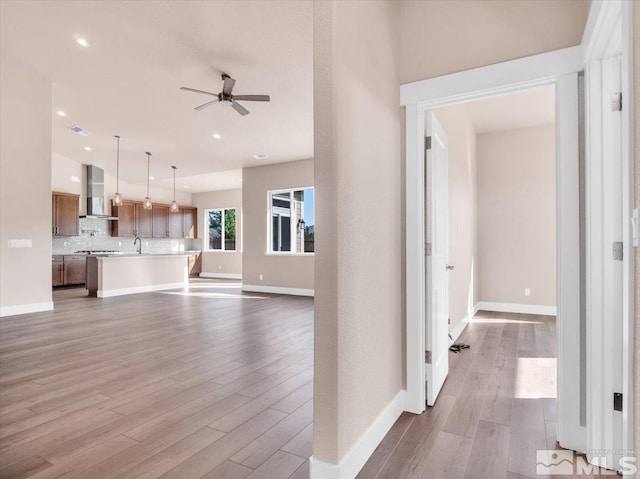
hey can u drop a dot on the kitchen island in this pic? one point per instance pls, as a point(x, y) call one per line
point(120, 274)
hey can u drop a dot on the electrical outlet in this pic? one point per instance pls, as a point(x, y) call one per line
point(527, 291)
point(261, 277)
point(119, 243)
point(146, 243)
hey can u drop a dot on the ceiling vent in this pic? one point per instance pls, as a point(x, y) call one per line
point(261, 156)
point(79, 131)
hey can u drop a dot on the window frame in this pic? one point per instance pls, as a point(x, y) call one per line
point(207, 240)
point(269, 242)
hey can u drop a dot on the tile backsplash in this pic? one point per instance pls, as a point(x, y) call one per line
point(95, 233)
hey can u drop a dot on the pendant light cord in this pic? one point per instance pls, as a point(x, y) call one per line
point(174, 183)
point(148, 171)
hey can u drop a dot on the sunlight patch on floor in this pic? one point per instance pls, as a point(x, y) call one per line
point(536, 378)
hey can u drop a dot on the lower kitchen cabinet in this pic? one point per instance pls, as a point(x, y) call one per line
point(57, 271)
point(68, 270)
point(195, 264)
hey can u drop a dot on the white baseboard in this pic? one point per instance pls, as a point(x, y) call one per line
point(26, 308)
point(359, 454)
point(253, 288)
point(517, 308)
point(221, 275)
point(140, 289)
point(460, 327)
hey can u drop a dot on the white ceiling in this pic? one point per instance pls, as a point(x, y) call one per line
point(127, 82)
point(524, 109)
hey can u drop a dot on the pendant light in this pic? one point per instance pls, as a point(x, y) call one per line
point(146, 204)
point(117, 198)
point(174, 206)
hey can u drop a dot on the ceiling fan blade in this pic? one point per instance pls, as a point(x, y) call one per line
point(239, 108)
point(198, 91)
point(209, 103)
point(228, 85)
point(252, 97)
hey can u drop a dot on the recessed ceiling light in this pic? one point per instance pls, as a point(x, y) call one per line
point(61, 113)
point(217, 136)
point(75, 179)
point(88, 148)
point(81, 41)
point(261, 156)
point(186, 186)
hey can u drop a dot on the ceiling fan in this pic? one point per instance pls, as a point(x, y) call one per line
point(225, 96)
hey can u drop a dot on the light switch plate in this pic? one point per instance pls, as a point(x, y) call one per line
point(635, 226)
point(20, 243)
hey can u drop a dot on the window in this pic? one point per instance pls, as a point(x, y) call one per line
point(221, 230)
point(292, 221)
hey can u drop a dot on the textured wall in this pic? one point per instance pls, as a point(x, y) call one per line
point(25, 184)
point(358, 324)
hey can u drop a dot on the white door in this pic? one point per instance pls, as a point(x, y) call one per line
point(437, 237)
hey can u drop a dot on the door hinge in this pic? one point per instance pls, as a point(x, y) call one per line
point(427, 142)
point(427, 249)
point(616, 101)
point(617, 250)
point(427, 357)
point(617, 402)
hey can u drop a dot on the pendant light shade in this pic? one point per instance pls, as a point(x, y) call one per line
point(146, 204)
point(117, 198)
point(174, 206)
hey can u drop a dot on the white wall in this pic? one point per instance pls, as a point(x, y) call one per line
point(25, 187)
point(463, 254)
point(63, 169)
point(447, 36)
point(517, 216)
point(358, 324)
point(220, 262)
point(283, 271)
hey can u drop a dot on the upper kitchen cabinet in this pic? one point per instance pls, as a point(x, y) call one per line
point(190, 222)
point(65, 212)
point(133, 220)
point(176, 224)
point(144, 221)
point(126, 214)
point(160, 215)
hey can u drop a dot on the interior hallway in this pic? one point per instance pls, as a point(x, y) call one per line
point(497, 407)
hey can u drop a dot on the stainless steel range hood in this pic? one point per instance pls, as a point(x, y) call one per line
point(95, 194)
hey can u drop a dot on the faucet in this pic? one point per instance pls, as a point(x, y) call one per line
point(139, 241)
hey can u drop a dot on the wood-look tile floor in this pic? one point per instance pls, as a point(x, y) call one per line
point(207, 382)
point(496, 408)
point(213, 383)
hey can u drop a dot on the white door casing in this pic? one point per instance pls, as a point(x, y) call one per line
point(437, 281)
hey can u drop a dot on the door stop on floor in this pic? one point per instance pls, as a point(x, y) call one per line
point(457, 347)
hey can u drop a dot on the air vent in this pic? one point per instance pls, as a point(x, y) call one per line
point(79, 131)
point(261, 156)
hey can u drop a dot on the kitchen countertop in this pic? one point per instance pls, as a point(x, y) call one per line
point(129, 255)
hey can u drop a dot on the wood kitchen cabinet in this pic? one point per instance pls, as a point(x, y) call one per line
point(190, 222)
point(195, 264)
point(57, 272)
point(144, 221)
point(176, 224)
point(65, 211)
point(133, 220)
point(160, 221)
point(68, 270)
point(126, 214)
point(75, 269)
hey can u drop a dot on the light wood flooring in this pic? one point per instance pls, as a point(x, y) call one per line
point(496, 408)
point(212, 383)
point(207, 383)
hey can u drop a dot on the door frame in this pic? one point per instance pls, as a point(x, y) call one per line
point(608, 32)
point(557, 68)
